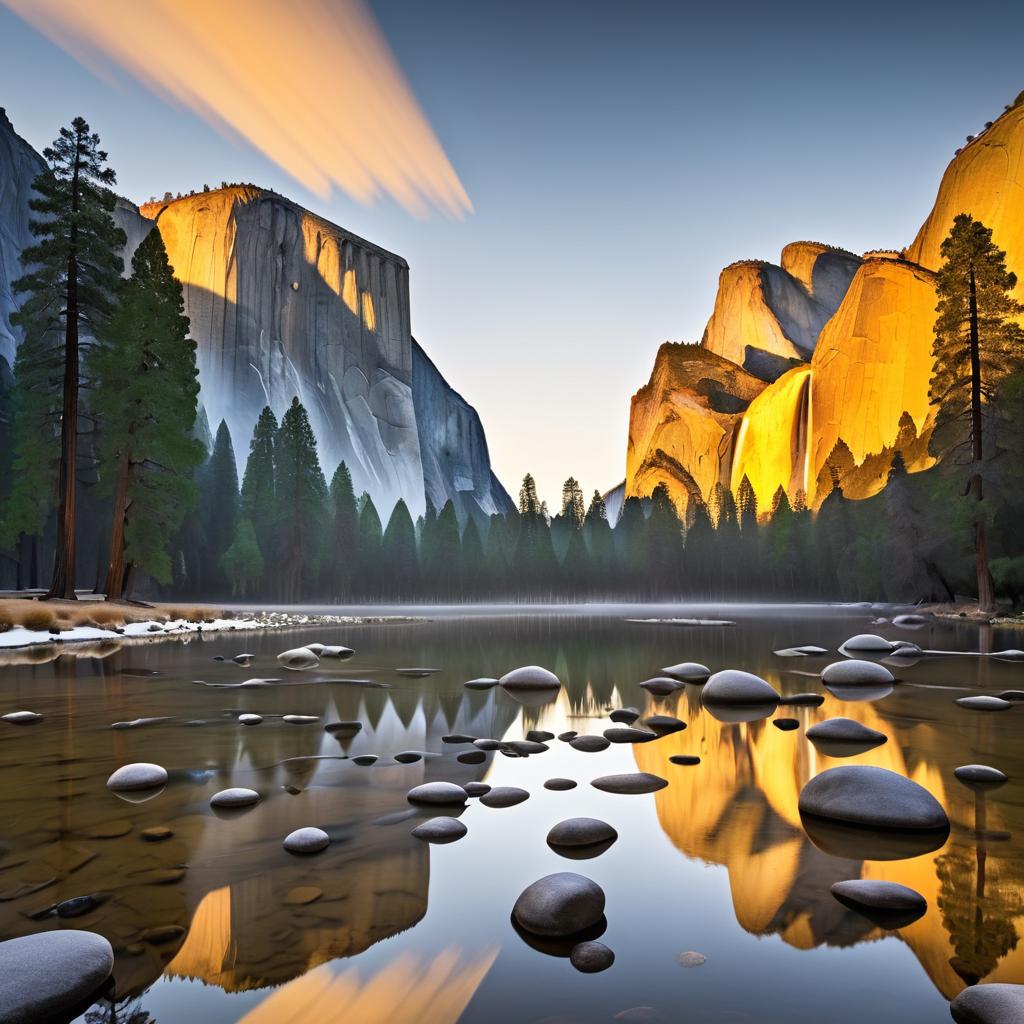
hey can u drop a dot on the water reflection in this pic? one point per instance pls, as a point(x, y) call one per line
point(218, 902)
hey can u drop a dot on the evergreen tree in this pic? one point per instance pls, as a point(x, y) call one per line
point(369, 540)
point(301, 503)
point(528, 503)
point(145, 392)
point(442, 558)
point(977, 345)
point(597, 533)
point(242, 562)
point(573, 508)
point(345, 521)
point(258, 501)
point(218, 508)
point(472, 560)
point(398, 553)
point(75, 272)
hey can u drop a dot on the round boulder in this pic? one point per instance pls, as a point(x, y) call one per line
point(530, 677)
point(688, 672)
point(298, 659)
point(307, 840)
point(874, 798)
point(432, 794)
point(845, 730)
point(868, 642)
point(589, 744)
point(887, 904)
point(734, 687)
point(237, 796)
point(998, 1003)
point(560, 904)
point(581, 832)
point(440, 830)
point(141, 775)
point(49, 976)
point(856, 673)
point(591, 957)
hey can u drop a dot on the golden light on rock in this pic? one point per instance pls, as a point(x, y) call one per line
point(311, 84)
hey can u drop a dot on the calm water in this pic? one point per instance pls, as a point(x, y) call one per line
point(212, 925)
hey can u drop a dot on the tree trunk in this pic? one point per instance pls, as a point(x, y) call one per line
point(114, 586)
point(63, 583)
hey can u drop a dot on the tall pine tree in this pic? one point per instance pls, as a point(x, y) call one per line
point(344, 533)
point(258, 502)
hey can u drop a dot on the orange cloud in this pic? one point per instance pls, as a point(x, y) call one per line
point(310, 83)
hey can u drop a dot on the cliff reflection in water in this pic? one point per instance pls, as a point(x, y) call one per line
point(739, 809)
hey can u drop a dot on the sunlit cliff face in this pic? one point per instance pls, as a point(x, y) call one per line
point(313, 85)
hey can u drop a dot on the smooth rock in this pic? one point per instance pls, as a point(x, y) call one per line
point(539, 736)
point(581, 832)
point(526, 747)
point(300, 719)
point(626, 716)
point(689, 672)
point(22, 717)
point(431, 794)
point(504, 796)
point(591, 957)
point(457, 737)
point(630, 783)
point(530, 677)
point(48, 976)
point(560, 785)
point(786, 724)
point(141, 775)
point(472, 757)
point(242, 659)
point(487, 744)
point(336, 651)
point(845, 730)
point(476, 788)
point(307, 840)
point(249, 719)
point(867, 642)
point(663, 725)
point(856, 673)
point(731, 687)
point(298, 659)
point(984, 703)
point(408, 756)
point(440, 830)
point(980, 776)
point(887, 904)
point(589, 744)
point(364, 760)
point(569, 734)
point(236, 796)
point(685, 759)
point(691, 959)
point(911, 621)
point(1013, 696)
point(480, 684)
point(998, 1003)
point(811, 700)
point(627, 734)
point(662, 686)
point(873, 798)
point(560, 904)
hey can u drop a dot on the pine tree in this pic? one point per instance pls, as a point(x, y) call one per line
point(217, 481)
point(442, 559)
point(528, 502)
point(977, 345)
point(242, 562)
point(398, 553)
point(746, 504)
point(598, 536)
point(145, 392)
point(75, 273)
point(344, 553)
point(573, 508)
point(301, 503)
point(472, 559)
point(369, 541)
point(258, 502)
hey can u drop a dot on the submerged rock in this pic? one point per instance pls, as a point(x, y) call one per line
point(868, 797)
point(437, 793)
point(630, 783)
point(560, 904)
point(856, 673)
point(688, 672)
point(591, 957)
point(307, 840)
point(989, 1004)
point(298, 659)
point(49, 976)
point(440, 830)
point(141, 775)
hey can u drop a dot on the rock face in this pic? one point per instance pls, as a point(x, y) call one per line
point(285, 303)
point(825, 347)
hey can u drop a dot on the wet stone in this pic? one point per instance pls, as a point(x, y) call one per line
point(589, 744)
point(980, 776)
point(630, 783)
point(437, 793)
point(998, 1003)
point(530, 677)
point(663, 725)
point(786, 724)
point(236, 796)
point(581, 832)
point(539, 736)
point(563, 903)
point(984, 703)
point(487, 744)
point(141, 775)
point(476, 788)
point(364, 760)
point(22, 717)
point(472, 757)
point(565, 737)
point(480, 684)
point(504, 796)
point(306, 840)
point(458, 738)
point(249, 719)
point(627, 734)
point(685, 759)
point(300, 719)
point(560, 785)
point(440, 830)
point(688, 672)
point(591, 957)
point(625, 716)
point(408, 756)
point(662, 686)
point(811, 700)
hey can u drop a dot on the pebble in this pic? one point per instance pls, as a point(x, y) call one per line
point(472, 757)
point(687, 759)
point(627, 734)
point(458, 738)
point(539, 736)
point(437, 793)
point(526, 747)
point(845, 730)
point(530, 677)
point(298, 659)
point(581, 832)
point(691, 959)
point(980, 776)
point(440, 830)
point(22, 717)
point(480, 684)
point(343, 729)
point(886, 903)
point(364, 760)
point(504, 796)
point(300, 719)
point(732, 686)
point(408, 756)
point(630, 783)
point(306, 840)
point(867, 642)
point(662, 686)
point(984, 703)
point(812, 700)
point(591, 957)
point(141, 775)
point(689, 672)
point(589, 744)
point(786, 724)
point(569, 735)
point(663, 725)
point(627, 716)
point(237, 796)
point(563, 903)
point(249, 719)
point(997, 1003)
point(476, 788)
point(487, 744)
point(560, 785)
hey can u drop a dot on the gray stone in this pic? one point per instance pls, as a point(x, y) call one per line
point(984, 703)
point(691, 958)
point(560, 904)
point(844, 730)
point(250, 719)
point(589, 744)
point(408, 756)
point(581, 832)
point(569, 734)
point(685, 759)
point(472, 757)
point(343, 729)
point(856, 673)
point(663, 725)
point(814, 700)
point(989, 1004)
point(300, 719)
point(440, 830)
point(336, 651)
point(141, 775)
point(627, 734)
point(688, 672)
point(437, 793)
point(630, 783)
point(476, 788)
point(662, 686)
point(626, 716)
point(875, 798)
point(480, 684)
point(525, 747)
point(591, 957)
point(364, 760)
point(560, 785)
point(734, 687)
point(911, 621)
point(487, 744)
point(870, 894)
point(307, 840)
point(867, 642)
point(298, 659)
point(47, 977)
point(530, 677)
point(539, 736)
point(22, 717)
point(980, 776)
point(504, 796)
point(237, 796)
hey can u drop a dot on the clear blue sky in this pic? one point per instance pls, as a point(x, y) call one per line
point(617, 156)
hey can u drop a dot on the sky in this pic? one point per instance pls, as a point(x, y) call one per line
point(614, 157)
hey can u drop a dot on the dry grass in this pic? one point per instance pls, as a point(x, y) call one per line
point(44, 615)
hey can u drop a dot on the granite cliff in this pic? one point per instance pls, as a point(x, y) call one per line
point(825, 347)
point(285, 303)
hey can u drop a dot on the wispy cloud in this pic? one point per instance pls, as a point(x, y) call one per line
point(312, 84)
